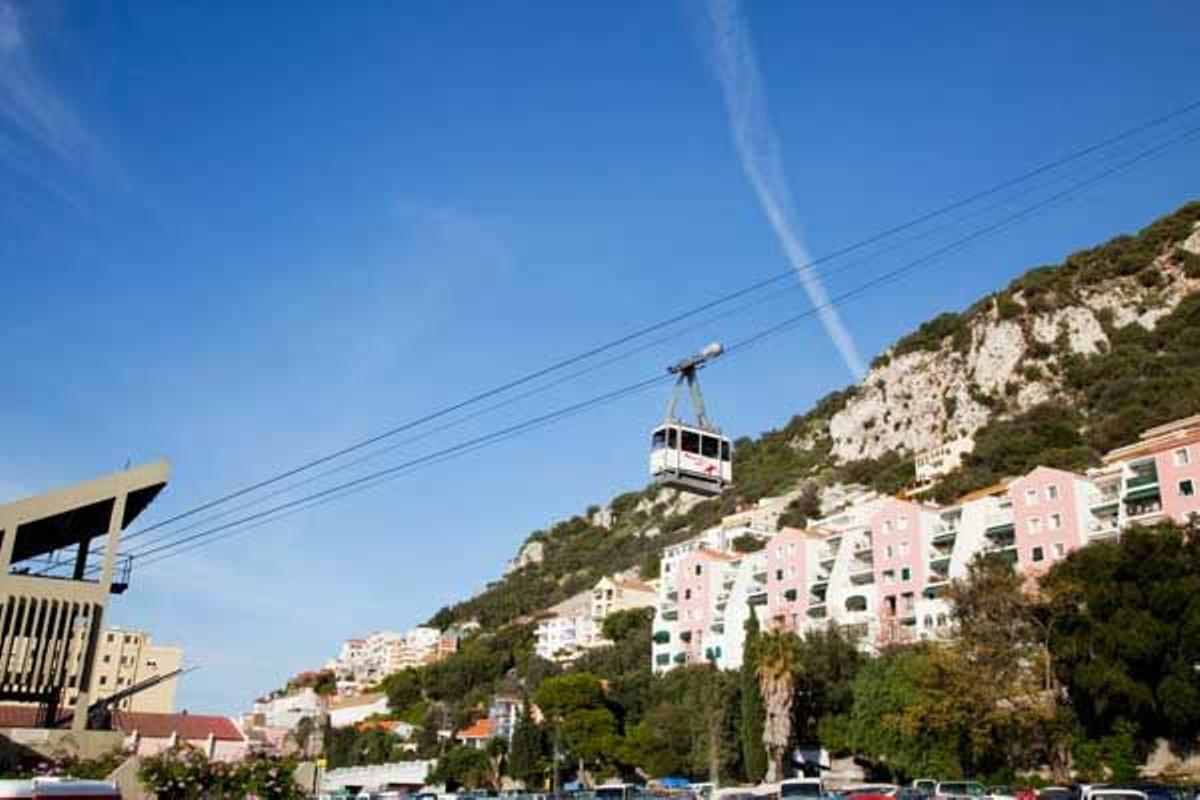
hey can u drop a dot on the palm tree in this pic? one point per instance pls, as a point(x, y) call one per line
point(777, 659)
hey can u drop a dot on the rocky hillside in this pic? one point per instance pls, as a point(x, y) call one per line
point(1064, 363)
point(1010, 350)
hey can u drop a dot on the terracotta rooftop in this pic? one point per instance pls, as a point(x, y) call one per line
point(190, 727)
point(480, 730)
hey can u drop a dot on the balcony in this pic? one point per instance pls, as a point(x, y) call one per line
point(717, 627)
point(670, 614)
point(945, 536)
point(817, 611)
point(940, 562)
point(861, 576)
point(1141, 480)
point(757, 598)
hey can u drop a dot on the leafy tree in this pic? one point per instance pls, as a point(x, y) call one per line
point(463, 766)
point(1128, 641)
point(403, 690)
point(826, 665)
point(526, 758)
point(879, 729)
point(661, 743)
point(621, 625)
point(748, 543)
point(497, 753)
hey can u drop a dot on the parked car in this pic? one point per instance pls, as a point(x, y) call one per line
point(1059, 793)
point(1002, 793)
point(802, 787)
point(959, 790)
point(926, 786)
point(1109, 793)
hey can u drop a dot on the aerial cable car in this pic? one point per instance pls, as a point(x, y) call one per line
point(695, 457)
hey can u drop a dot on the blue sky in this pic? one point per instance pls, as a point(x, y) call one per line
point(240, 235)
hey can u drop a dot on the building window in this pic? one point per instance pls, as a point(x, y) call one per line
point(1055, 521)
point(1182, 457)
point(905, 574)
point(1052, 492)
point(791, 548)
point(699, 569)
point(1038, 555)
point(791, 572)
point(1060, 549)
point(902, 524)
point(891, 551)
point(103, 680)
point(107, 658)
point(687, 594)
point(778, 574)
point(904, 548)
point(887, 526)
point(1035, 524)
point(1031, 497)
point(889, 575)
point(1186, 488)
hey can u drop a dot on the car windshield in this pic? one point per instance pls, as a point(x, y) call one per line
point(800, 789)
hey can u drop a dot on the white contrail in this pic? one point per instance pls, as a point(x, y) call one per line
point(731, 54)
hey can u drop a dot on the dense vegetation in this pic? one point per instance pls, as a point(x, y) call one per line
point(1145, 378)
point(1085, 675)
point(1046, 288)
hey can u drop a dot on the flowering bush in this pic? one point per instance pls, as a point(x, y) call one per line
point(184, 773)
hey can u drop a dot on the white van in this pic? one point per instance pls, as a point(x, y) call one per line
point(59, 788)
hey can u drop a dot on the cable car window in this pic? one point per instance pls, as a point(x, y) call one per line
point(709, 448)
point(672, 439)
point(659, 440)
point(725, 455)
point(689, 441)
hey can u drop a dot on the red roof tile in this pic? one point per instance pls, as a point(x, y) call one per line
point(191, 727)
point(480, 730)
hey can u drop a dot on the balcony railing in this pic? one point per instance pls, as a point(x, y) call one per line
point(1140, 480)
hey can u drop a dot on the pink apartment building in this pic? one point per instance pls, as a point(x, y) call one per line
point(789, 556)
point(701, 578)
point(1048, 508)
point(879, 566)
point(899, 544)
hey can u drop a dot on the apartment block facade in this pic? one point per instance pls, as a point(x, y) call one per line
point(577, 624)
point(125, 658)
point(879, 567)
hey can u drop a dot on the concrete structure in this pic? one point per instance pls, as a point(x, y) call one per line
point(347, 711)
point(125, 658)
point(937, 461)
point(878, 568)
point(54, 588)
point(285, 711)
point(401, 775)
point(576, 624)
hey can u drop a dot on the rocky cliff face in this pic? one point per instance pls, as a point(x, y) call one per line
point(1007, 352)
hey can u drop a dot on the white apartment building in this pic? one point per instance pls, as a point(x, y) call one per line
point(362, 663)
point(576, 624)
point(285, 711)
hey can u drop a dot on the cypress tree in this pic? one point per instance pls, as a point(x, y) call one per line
point(753, 716)
point(525, 761)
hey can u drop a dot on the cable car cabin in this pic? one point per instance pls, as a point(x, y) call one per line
point(691, 458)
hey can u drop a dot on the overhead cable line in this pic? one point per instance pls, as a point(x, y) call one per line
point(740, 346)
point(693, 311)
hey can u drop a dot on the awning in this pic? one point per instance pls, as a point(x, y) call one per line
point(1141, 493)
